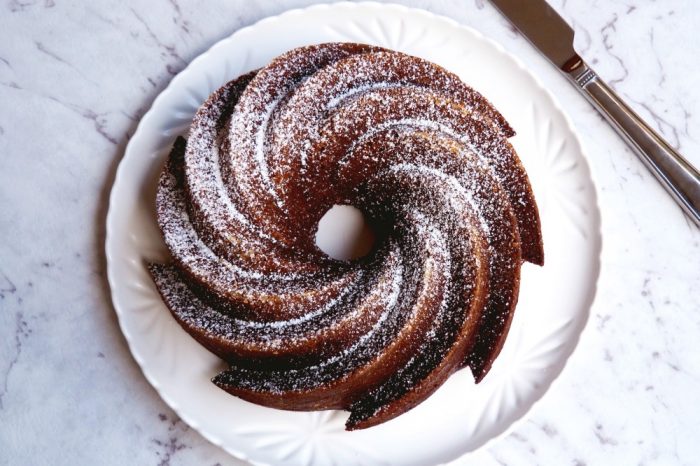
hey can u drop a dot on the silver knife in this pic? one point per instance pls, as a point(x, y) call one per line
point(554, 38)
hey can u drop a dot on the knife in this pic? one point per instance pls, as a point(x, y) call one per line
point(554, 38)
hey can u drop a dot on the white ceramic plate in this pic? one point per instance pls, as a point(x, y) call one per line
point(460, 416)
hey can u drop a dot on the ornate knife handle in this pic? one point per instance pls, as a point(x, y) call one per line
point(678, 176)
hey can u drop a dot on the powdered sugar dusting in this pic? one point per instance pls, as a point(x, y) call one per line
point(425, 157)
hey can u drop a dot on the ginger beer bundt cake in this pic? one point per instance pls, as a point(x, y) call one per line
point(422, 155)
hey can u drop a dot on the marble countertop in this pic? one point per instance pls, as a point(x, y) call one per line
point(75, 77)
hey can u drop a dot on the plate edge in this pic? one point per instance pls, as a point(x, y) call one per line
point(346, 4)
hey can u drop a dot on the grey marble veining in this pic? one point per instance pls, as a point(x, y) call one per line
point(75, 77)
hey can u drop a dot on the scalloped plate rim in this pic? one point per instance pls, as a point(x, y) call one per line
point(149, 115)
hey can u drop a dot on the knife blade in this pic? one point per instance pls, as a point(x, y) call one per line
point(542, 26)
point(554, 38)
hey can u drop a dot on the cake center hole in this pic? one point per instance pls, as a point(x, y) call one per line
point(344, 234)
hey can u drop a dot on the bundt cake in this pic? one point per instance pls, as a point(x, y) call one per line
point(422, 155)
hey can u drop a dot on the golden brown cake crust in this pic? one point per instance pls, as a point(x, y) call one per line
point(426, 159)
